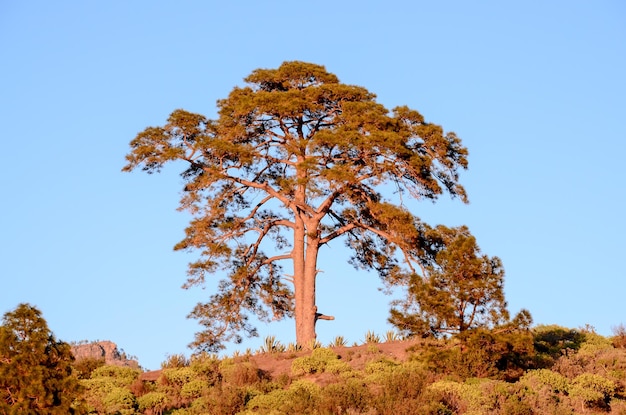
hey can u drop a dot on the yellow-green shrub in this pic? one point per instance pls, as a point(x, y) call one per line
point(315, 363)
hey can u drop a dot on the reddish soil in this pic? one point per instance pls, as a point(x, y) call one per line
point(276, 364)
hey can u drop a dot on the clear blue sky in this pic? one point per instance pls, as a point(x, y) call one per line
point(535, 89)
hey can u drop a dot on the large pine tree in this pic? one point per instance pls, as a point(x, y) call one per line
point(35, 368)
point(295, 160)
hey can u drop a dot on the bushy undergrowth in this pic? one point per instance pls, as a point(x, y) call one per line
point(550, 370)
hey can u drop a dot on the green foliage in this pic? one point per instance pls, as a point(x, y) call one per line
point(302, 397)
point(458, 380)
point(296, 156)
point(337, 367)
point(85, 367)
point(154, 402)
point(351, 396)
point(193, 389)
point(553, 341)
point(482, 353)
point(379, 370)
point(35, 368)
point(400, 391)
point(314, 363)
point(593, 390)
point(119, 401)
point(461, 288)
point(108, 389)
point(537, 379)
point(593, 344)
point(119, 375)
point(174, 361)
point(179, 375)
point(466, 395)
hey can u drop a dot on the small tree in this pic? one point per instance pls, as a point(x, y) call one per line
point(35, 369)
point(460, 289)
point(295, 160)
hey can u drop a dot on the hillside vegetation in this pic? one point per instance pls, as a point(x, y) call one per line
point(545, 370)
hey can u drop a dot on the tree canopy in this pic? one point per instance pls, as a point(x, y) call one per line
point(295, 160)
point(460, 288)
point(35, 368)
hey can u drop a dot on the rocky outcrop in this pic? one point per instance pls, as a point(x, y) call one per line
point(105, 350)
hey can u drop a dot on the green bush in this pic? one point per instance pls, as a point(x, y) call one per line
point(349, 396)
point(306, 365)
point(121, 376)
point(193, 389)
point(120, 401)
point(593, 390)
point(154, 402)
point(467, 395)
point(551, 342)
point(179, 375)
point(337, 367)
point(536, 379)
point(315, 363)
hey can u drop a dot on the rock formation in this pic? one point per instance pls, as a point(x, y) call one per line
point(105, 350)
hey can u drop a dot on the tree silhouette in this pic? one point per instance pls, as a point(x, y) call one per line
point(295, 160)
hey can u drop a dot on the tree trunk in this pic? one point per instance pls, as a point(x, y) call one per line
point(298, 278)
point(306, 248)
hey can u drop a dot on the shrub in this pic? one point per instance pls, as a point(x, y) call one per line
point(241, 374)
point(536, 379)
point(481, 353)
point(119, 401)
point(154, 402)
point(307, 365)
point(174, 361)
point(400, 391)
point(350, 396)
point(207, 367)
point(315, 363)
point(179, 375)
point(224, 400)
point(463, 395)
point(593, 344)
point(302, 397)
point(265, 404)
point(593, 390)
point(553, 341)
point(337, 367)
point(380, 366)
point(193, 389)
point(120, 376)
point(85, 367)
